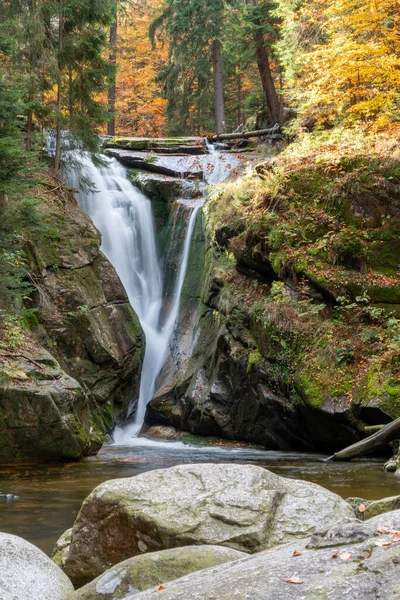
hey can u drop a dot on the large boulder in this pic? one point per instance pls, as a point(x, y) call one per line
point(144, 572)
point(366, 570)
point(240, 506)
point(26, 572)
point(43, 411)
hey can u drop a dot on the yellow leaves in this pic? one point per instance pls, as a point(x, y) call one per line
point(138, 101)
point(355, 72)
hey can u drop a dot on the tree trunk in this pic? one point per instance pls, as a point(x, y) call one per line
point(57, 160)
point(112, 89)
point(274, 133)
point(267, 82)
point(381, 438)
point(29, 131)
point(218, 87)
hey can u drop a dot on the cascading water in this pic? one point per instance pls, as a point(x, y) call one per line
point(124, 218)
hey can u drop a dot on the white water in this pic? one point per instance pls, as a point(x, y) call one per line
point(124, 218)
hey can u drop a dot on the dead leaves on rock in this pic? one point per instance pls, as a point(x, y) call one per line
point(294, 579)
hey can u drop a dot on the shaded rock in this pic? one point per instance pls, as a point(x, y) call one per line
point(171, 166)
point(378, 507)
point(162, 432)
point(61, 549)
point(44, 412)
point(143, 572)
point(26, 572)
point(365, 572)
point(342, 533)
point(240, 506)
point(162, 187)
point(86, 321)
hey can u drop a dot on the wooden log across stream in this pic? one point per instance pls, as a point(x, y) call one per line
point(377, 440)
point(274, 133)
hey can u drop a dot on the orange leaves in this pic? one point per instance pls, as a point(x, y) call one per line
point(294, 579)
point(138, 100)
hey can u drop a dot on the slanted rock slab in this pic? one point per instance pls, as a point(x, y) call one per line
point(366, 570)
point(26, 572)
point(144, 572)
point(240, 506)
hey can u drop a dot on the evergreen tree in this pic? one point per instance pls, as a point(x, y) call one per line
point(195, 30)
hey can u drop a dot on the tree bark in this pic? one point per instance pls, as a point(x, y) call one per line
point(375, 441)
point(272, 133)
point(112, 89)
point(267, 82)
point(57, 160)
point(29, 131)
point(218, 87)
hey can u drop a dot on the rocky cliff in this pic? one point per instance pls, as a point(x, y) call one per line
point(297, 345)
point(64, 384)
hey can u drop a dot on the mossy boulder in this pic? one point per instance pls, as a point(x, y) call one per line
point(44, 412)
point(243, 507)
point(149, 570)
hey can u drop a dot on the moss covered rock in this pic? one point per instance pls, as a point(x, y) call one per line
point(243, 507)
point(149, 570)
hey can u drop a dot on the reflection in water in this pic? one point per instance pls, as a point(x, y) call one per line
point(50, 495)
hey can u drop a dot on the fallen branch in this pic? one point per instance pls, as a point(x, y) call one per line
point(272, 133)
point(377, 440)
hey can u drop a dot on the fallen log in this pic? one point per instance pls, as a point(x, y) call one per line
point(274, 133)
point(383, 437)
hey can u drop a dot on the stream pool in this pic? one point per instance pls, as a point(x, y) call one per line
point(50, 495)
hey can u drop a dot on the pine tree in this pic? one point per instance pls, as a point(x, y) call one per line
point(195, 30)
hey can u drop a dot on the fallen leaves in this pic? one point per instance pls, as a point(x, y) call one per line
point(362, 508)
point(159, 589)
point(295, 553)
point(335, 554)
point(345, 556)
point(294, 579)
point(381, 543)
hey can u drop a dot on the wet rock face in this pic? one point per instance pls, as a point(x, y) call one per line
point(144, 572)
point(243, 507)
point(87, 322)
point(44, 412)
point(346, 571)
point(228, 398)
point(26, 572)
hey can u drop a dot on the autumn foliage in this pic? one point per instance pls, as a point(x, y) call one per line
point(139, 104)
point(352, 72)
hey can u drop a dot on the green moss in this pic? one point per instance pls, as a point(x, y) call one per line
point(254, 358)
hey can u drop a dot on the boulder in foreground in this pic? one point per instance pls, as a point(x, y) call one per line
point(26, 572)
point(149, 570)
point(366, 570)
point(240, 506)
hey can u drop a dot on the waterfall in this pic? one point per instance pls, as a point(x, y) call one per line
point(124, 218)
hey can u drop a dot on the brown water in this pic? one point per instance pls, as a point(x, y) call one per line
point(50, 495)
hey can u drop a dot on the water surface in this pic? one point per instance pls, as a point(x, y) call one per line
point(50, 495)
